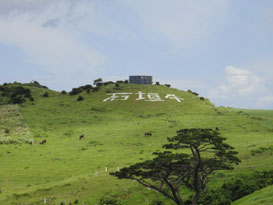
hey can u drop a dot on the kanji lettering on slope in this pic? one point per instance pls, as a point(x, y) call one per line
point(117, 96)
point(154, 97)
point(140, 96)
point(172, 96)
point(150, 97)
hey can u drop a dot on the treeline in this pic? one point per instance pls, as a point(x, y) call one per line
point(237, 188)
point(95, 87)
point(15, 94)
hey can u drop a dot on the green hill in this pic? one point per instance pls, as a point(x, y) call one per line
point(264, 197)
point(68, 169)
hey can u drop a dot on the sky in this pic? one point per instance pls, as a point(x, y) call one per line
point(221, 49)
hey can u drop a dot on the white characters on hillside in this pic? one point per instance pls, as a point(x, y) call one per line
point(117, 96)
point(150, 97)
point(174, 97)
point(154, 97)
point(140, 96)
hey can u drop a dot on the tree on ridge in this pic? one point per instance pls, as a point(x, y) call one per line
point(171, 172)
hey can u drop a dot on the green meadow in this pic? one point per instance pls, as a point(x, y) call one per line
point(67, 170)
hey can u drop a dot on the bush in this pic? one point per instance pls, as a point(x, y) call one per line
point(62, 203)
point(16, 100)
point(237, 188)
point(46, 95)
point(35, 84)
point(194, 93)
point(86, 87)
point(95, 89)
point(28, 95)
point(108, 83)
point(108, 200)
point(80, 98)
point(157, 202)
point(63, 92)
point(98, 82)
point(75, 91)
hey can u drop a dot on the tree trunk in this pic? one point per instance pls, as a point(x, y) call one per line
point(179, 202)
point(195, 199)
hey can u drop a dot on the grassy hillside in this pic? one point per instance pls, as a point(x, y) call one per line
point(264, 197)
point(69, 169)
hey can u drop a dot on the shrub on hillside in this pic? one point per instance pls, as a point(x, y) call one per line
point(13, 91)
point(36, 84)
point(108, 200)
point(194, 93)
point(46, 95)
point(237, 188)
point(95, 89)
point(117, 86)
point(6, 130)
point(80, 98)
point(86, 87)
point(75, 91)
point(16, 100)
point(63, 92)
point(108, 83)
point(98, 82)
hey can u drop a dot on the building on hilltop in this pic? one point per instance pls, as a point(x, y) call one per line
point(141, 79)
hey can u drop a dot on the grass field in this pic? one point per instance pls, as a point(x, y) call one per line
point(69, 169)
point(264, 197)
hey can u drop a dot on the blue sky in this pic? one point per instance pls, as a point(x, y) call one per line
point(222, 49)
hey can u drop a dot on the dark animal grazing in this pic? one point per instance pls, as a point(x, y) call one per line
point(217, 128)
point(148, 134)
point(43, 142)
point(168, 85)
point(81, 136)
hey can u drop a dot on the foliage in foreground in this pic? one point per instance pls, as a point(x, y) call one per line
point(168, 173)
point(237, 188)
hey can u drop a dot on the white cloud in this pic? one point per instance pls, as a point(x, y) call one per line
point(181, 22)
point(242, 87)
point(265, 102)
point(239, 82)
point(40, 31)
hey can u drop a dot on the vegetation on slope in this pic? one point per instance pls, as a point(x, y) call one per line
point(66, 168)
point(263, 197)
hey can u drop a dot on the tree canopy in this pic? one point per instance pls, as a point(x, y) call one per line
point(196, 154)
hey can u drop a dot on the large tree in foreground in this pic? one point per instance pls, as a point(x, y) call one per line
point(198, 153)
